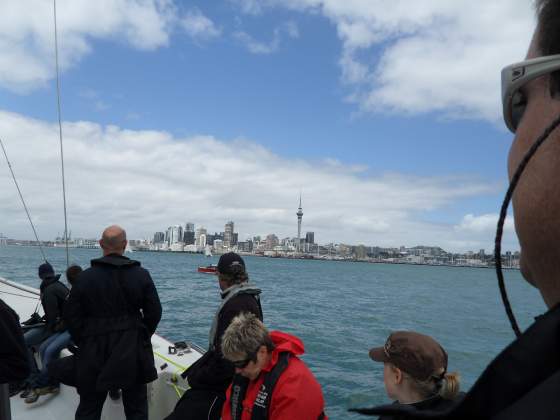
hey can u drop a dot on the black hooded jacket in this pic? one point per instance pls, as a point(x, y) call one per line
point(112, 312)
point(521, 383)
point(212, 371)
point(13, 353)
point(53, 296)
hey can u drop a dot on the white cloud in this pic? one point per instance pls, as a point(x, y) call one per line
point(472, 228)
point(93, 96)
point(423, 56)
point(289, 29)
point(484, 223)
point(148, 180)
point(252, 7)
point(198, 26)
point(27, 34)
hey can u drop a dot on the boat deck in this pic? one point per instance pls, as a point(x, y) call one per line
point(163, 393)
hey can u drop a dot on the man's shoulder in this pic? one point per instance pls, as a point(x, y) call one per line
point(242, 302)
point(55, 287)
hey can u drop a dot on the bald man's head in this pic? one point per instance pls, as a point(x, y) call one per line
point(113, 240)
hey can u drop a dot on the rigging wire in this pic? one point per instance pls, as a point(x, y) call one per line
point(60, 135)
point(503, 213)
point(23, 296)
point(22, 200)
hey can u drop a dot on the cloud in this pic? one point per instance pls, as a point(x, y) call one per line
point(149, 180)
point(422, 56)
point(251, 7)
point(289, 29)
point(94, 97)
point(472, 228)
point(27, 38)
point(485, 223)
point(198, 26)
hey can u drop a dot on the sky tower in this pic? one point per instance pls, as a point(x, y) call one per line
point(299, 216)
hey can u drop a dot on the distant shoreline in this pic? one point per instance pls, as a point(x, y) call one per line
point(303, 257)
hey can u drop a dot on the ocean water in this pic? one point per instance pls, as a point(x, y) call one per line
point(339, 310)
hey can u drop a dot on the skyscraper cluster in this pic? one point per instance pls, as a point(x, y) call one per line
point(187, 238)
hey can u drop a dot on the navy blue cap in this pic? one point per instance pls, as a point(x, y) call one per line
point(46, 270)
point(228, 261)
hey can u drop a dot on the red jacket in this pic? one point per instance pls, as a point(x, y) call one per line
point(297, 394)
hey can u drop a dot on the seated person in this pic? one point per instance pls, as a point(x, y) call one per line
point(415, 372)
point(52, 334)
point(271, 381)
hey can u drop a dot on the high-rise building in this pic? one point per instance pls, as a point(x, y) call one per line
point(215, 237)
point(246, 246)
point(201, 240)
point(174, 234)
point(299, 217)
point(228, 234)
point(188, 235)
point(310, 237)
point(218, 245)
point(159, 237)
point(200, 232)
point(188, 238)
point(271, 241)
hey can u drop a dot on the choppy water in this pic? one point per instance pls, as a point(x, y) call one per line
point(339, 309)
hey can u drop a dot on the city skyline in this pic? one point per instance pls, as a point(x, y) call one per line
point(191, 235)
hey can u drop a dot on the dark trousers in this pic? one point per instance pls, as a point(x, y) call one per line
point(135, 401)
point(198, 404)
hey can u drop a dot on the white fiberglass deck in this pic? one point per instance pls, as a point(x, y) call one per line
point(162, 395)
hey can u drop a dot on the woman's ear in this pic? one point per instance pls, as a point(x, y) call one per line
point(398, 375)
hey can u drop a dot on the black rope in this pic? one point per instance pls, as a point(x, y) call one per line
point(23, 201)
point(60, 135)
point(503, 213)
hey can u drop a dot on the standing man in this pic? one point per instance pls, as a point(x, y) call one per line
point(111, 314)
point(211, 375)
point(523, 381)
point(14, 366)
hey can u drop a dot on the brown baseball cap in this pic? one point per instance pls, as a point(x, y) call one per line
point(417, 354)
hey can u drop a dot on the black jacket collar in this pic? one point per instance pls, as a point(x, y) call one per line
point(114, 260)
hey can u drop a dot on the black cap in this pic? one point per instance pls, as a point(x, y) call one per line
point(46, 270)
point(229, 260)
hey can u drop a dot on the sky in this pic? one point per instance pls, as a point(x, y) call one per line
point(385, 116)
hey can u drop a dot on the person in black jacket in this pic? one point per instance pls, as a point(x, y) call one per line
point(14, 366)
point(112, 312)
point(53, 297)
point(522, 382)
point(211, 375)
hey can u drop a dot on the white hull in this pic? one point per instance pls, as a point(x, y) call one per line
point(162, 395)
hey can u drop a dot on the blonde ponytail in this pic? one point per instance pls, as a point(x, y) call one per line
point(450, 386)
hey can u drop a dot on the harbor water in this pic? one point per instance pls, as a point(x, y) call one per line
point(339, 310)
